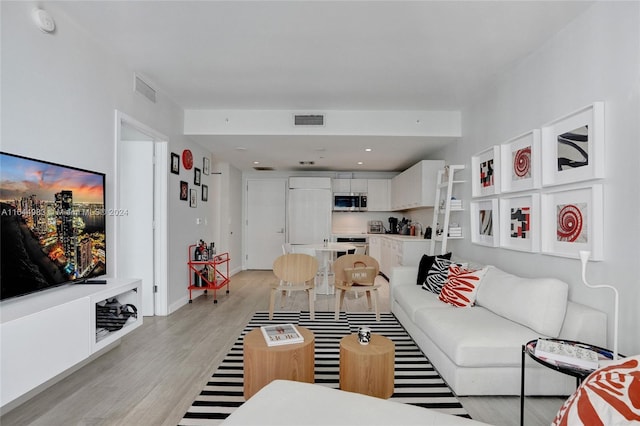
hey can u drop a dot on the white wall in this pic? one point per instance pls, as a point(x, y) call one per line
point(59, 94)
point(595, 58)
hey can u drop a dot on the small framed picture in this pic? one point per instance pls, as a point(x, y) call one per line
point(175, 163)
point(572, 220)
point(193, 198)
point(573, 147)
point(484, 222)
point(196, 176)
point(485, 172)
point(520, 223)
point(205, 193)
point(184, 190)
point(520, 158)
point(205, 165)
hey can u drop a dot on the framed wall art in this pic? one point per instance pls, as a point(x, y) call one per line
point(573, 147)
point(193, 198)
point(206, 165)
point(175, 163)
point(520, 162)
point(484, 222)
point(205, 193)
point(572, 220)
point(196, 176)
point(520, 223)
point(184, 190)
point(485, 172)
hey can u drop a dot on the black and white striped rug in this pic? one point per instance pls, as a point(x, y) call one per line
point(416, 381)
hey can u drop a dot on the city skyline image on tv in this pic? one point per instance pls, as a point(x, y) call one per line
point(52, 225)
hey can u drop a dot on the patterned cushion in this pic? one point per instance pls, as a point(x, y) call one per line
point(425, 264)
point(609, 396)
point(461, 286)
point(437, 275)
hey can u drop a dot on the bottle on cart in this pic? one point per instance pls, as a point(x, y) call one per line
point(197, 255)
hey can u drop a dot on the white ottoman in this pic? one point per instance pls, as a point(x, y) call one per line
point(289, 403)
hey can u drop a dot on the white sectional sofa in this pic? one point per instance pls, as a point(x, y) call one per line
point(477, 350)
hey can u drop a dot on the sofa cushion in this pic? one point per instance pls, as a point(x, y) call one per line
point(609, 396)
point(425, 264)
point(412, 298)
point(475, 337)
point(537, 303)
point(437, 275)
point(461, 286)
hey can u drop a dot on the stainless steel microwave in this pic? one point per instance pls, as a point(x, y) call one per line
point(349, 202)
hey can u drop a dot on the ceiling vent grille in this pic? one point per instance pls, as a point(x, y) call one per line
point(308, 120)
point(144, 88)
point(263, 169)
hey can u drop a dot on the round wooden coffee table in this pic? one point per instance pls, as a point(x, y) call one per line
point(367, 369)
point(263, 364)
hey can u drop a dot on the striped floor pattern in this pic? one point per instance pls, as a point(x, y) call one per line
point(416, 382)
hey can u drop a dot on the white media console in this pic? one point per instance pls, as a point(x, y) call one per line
point(43, 335)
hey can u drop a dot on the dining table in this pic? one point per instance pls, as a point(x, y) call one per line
point(325, 253)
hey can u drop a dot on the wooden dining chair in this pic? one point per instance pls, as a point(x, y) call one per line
point(295, 271)
point(356, 273)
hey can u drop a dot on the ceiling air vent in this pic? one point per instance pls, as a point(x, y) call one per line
point(144, 88)
point(308, 120)
point(263, 169)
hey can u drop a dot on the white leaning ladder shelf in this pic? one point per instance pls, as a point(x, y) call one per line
point(443, 207)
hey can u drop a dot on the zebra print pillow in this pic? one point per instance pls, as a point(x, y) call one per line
point(437, 275)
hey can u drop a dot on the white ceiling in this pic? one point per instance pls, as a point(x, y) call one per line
point(320, 56)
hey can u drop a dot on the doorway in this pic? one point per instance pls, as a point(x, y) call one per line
point(266, 218)
point(141, 197)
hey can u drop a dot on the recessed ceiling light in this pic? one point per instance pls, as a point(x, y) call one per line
point(240, 148)
point(256, 162)
point(360, 163)
point(368, 149)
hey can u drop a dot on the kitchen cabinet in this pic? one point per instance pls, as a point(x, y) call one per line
point(347, 186)
point(379, 195)
point(415, 187)
point(396, 250)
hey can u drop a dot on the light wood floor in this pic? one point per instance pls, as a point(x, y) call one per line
point(152, 377)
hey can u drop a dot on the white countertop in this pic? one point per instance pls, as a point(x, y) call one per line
point(396, 237)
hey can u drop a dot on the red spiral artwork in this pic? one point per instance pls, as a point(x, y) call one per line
point(522, 163)
point(570, 223)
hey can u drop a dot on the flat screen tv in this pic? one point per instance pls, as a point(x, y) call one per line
point(52, 225)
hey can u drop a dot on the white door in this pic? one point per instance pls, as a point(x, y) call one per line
point(266, 216)
point(135, 223)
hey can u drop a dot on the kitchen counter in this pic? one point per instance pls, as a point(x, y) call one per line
point(395, 237)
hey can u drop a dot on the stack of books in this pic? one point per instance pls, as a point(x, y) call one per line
point(281, 334)
point(455, 204)
point(455, 231)
point(574, 355)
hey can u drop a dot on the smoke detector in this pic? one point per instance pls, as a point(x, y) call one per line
point(44, 20)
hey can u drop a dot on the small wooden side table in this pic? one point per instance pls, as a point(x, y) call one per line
point(367, 369)
point(263, 363)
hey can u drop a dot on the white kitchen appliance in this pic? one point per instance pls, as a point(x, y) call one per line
point(309, 210)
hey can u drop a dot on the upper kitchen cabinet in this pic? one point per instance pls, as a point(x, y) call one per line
point(415, 187)
point(348, 186)
point(379, 195)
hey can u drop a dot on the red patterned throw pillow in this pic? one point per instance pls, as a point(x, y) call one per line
point(609, 396)
point(461, 286)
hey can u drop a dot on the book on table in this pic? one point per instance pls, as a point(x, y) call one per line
point(567, 353)
point(281, 334)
